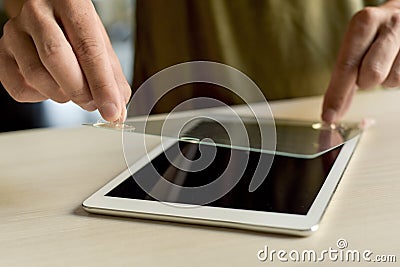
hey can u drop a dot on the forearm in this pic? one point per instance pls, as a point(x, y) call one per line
point(13, 7)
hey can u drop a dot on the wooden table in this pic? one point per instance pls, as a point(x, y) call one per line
point(46, 174)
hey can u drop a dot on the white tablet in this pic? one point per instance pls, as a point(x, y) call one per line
point(291, 200)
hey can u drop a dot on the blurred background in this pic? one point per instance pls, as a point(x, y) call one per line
point(118, 18)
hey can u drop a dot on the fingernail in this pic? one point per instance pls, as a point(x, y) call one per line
point(109, 112)
point(124, 114)
point(329, 115)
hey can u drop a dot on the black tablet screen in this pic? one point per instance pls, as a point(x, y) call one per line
point(290, 187)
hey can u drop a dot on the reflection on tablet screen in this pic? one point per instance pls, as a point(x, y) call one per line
point(291, 186)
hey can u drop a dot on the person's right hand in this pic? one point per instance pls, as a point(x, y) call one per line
point(60, 50)
point(369, 56)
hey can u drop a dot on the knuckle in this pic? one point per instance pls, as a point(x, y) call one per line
point(79, 96)
point(28, 8)
point(371, 76)
point(61, 99)
point(10, 33)
point(50, 48)
point(393, 80)
point(18, 94)
point(396, 77)
point(390, 84)
point(366, 16)
point(31, 12)
point(348, 65)
point(33, 71)
point(363, 21)
point(375, 73)
point(101, 87)
point(55, 93)
point(9, 28)
point(88, 50)
point(395, 20)
point(391, 29)
point(32, 7)
point(391, 37)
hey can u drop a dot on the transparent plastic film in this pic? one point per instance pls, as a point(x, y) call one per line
point(294, 138)
point(204, 118)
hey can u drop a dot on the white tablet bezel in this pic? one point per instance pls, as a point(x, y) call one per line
point(226, 217)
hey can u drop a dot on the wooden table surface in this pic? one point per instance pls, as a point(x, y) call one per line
point(46, 174)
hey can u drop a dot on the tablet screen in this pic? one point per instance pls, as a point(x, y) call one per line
point(291, 186)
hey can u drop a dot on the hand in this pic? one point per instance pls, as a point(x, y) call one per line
point(369, 56)
point(60, 50)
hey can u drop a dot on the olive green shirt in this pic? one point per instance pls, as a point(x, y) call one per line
point(287, 47)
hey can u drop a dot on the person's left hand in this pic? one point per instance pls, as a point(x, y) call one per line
point(369, 56)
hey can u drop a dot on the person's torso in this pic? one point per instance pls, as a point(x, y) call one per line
point(287, 47)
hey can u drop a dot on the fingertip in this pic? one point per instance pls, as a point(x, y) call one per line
point(109, 112)
point(329, 115)
point(124, 115)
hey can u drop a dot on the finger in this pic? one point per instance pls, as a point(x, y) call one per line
point(85, 35)
point(379, 59)
point(347, 102)
point(125, 89)
point(35, 74)
point(14, 82)
point(357, 40)
point(54, 51)
point(123, 85)
point(393, 79)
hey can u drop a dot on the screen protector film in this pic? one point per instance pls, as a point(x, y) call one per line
point(204, 89)
point(294, 138)
point(211, 122)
